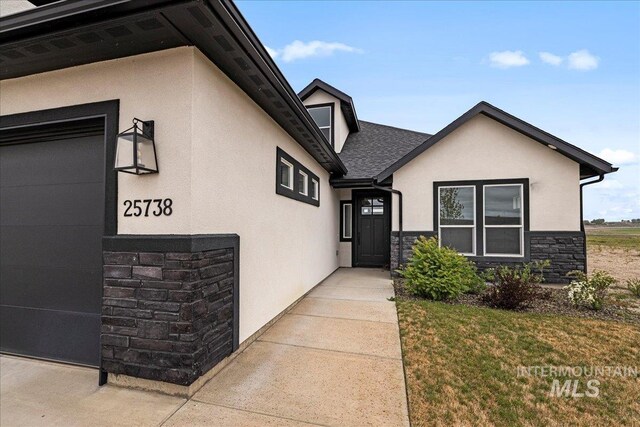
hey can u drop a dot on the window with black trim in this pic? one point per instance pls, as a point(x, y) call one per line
point(485, 218)
point(322, 114)
point(503, 220)
point(346, 220)
point(295, 181)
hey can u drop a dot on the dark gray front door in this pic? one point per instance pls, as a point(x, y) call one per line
point(51, 228)
point(372, 230)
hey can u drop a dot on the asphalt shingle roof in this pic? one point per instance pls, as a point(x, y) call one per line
point(376, 147)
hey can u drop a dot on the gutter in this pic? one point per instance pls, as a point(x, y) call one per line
point(584, 243)
point(400, 233)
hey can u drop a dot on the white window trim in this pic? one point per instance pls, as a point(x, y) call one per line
point(345, 219)
point(330, 119)
point(485, 226)
point(473, 227)
point(316, 189)
point(282, 160)
point(305, 184)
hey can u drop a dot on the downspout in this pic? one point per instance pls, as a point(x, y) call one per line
point(400, 234)
point(584, 243)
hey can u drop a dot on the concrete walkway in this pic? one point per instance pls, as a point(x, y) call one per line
point(334, 359)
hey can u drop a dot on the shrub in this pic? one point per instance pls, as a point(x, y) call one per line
point(634, 286)
point(514, 287)
point(438, 273)
point(589, 291)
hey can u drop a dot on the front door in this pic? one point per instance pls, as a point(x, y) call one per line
point(372, 225)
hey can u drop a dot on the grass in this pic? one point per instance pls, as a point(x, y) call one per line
point(614, 237)
point(461, 363)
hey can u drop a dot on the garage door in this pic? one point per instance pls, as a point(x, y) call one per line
point(51, 227)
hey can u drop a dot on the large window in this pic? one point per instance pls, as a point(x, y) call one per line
point(457, 220)
point(323, 116)
point(503, 220)
point(295, 181)
point(483, 218)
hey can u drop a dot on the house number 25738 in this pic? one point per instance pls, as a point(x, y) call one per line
point(146, 207)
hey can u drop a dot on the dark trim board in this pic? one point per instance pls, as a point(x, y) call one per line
point(109, 111)
point(295, 192)
point(479, 201)
point(346, 102)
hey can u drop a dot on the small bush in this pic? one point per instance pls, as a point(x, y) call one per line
point(589, 291)
point(514, 287)
point(438, 273)
point(634, 286)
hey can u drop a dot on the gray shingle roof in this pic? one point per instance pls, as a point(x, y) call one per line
point(376, 147)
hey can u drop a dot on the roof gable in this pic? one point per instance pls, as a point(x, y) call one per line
point(590, 165)
point(346, 102)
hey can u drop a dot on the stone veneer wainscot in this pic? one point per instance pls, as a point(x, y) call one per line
point(168, 316)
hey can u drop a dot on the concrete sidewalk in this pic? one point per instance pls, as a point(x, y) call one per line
point(334, 359)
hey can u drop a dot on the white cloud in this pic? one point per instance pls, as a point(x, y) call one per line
point(583, 60)
point(618, 157)
point(316, 48)
point(508, 59)
point(550, 58)
point(272, 52)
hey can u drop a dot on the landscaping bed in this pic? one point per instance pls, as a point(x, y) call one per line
point(552, 301)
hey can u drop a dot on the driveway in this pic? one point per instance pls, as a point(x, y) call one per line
point(334, 359)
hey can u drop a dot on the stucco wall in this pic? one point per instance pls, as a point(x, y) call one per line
point(155, 86)
point(344, 252)
point(217, 158)
point(341, 130)
point(485, 149)
point(286, 246)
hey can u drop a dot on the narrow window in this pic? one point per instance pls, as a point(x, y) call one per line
point(503, 220)
point(457, 219)
point(303, 183)
point(314, 189)
point(322, 117)
point(286, 174)
point(346, 221)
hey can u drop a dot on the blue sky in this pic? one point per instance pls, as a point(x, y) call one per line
point(572, 69)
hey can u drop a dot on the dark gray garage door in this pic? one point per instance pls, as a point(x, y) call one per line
point(51, 226)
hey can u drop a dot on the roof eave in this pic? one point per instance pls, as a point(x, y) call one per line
point(571, 151)
point(181, 28)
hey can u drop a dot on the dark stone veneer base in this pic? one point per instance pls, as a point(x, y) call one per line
point(170, 305)
point(565, 250)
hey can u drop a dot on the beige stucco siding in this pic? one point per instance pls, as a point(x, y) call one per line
point(286, 246)
point(341, 129)
point(344, 252)
point(485, 149)
point(156, 86)
point(217, 158)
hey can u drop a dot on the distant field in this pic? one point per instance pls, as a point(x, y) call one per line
point(614, 237)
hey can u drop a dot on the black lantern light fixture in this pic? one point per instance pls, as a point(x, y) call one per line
point(136, 149)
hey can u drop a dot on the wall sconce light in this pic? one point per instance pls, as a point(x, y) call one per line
point(136, 149)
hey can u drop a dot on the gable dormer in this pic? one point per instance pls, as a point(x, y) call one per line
point(332, 110)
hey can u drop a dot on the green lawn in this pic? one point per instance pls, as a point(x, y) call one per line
point(461, 366)
point(614, 237)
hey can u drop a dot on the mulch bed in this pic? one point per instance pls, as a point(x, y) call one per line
point(552, 301)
